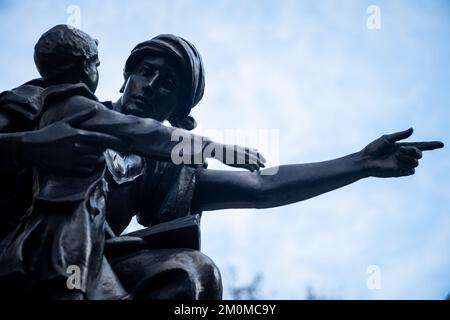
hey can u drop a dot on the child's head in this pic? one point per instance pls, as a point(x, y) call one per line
point(65, 54)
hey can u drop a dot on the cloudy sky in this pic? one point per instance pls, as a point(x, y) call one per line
point(315, 72)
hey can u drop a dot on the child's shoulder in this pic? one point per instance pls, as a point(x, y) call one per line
point(23, 101)
point(68, 91)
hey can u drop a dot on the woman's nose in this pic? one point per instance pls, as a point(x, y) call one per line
point(148, 91)
point(150, 86)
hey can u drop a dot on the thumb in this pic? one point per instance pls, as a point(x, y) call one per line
point(393, 137)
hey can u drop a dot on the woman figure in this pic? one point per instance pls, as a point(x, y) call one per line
point(164, 80)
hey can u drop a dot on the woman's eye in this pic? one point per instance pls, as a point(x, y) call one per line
point(169, 84)
point(147, 71)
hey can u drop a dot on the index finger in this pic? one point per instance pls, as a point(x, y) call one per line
point(423, 146)
point(262, 158)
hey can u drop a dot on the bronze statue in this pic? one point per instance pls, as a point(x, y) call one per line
point(65, 224)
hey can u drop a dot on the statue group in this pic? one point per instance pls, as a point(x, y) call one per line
point(76, 170)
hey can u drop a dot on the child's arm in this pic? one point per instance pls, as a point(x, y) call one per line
point(58, 146)
point(146, 137)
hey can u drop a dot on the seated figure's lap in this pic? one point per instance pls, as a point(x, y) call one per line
point(169, 274)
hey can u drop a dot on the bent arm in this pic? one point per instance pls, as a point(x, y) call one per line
point(146, 137)
point(217, 189)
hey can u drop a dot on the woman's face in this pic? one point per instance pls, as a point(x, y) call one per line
point(152, 90)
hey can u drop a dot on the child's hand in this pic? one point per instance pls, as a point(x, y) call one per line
point(239, 157)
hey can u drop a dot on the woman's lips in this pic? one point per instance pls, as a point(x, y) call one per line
point(140, 106)
point(140, 101)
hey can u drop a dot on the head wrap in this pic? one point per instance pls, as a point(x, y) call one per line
point(190, 67)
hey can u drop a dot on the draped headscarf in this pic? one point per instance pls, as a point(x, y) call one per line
point(190, 67)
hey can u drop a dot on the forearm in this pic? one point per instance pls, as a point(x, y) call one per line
point(298, 182)
point(146, 137)
point(217, 190)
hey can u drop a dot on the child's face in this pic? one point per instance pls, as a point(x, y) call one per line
point(91, 73)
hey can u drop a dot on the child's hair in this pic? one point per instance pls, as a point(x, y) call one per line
point(63, 49)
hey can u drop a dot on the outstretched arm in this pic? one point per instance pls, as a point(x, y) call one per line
point(293, 183)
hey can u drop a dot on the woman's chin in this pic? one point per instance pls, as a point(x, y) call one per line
point(134, 110)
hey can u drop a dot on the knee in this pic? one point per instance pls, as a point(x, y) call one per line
point(208, 276)
point(170, 274)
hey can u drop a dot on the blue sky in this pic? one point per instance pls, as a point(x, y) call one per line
point(315, 72)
